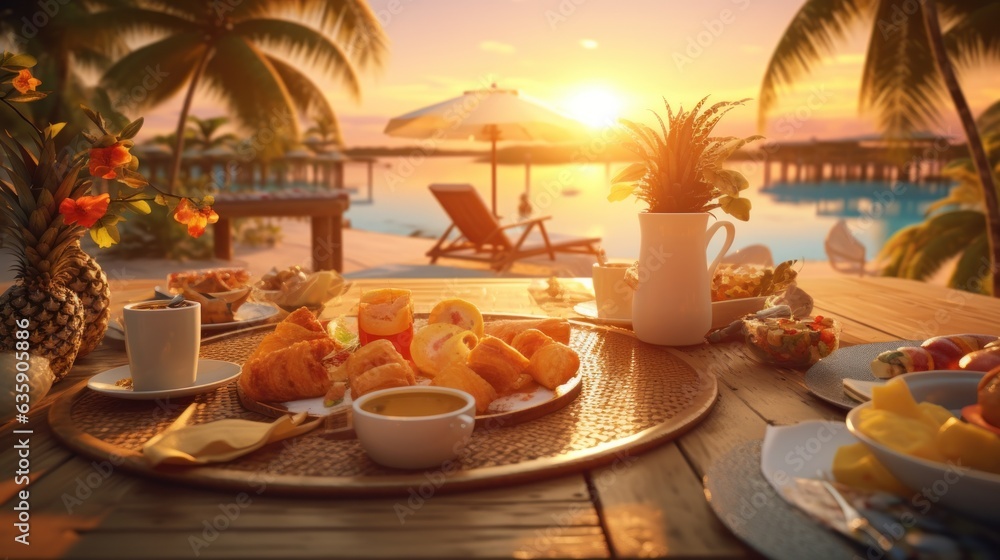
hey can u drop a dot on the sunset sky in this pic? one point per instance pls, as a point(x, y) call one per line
point(601, 57)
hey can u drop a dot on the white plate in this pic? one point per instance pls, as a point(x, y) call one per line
point(723, 312)
point(247, 315)
point(801, 451)
point(589, 310)
point(211, 374)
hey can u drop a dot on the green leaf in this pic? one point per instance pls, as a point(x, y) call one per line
point(738, 208)
point(54, 129)
point(631, 173)
point(160, 199)
point(138, 206)
point(19, 61)
point(104, 236)
point(132, 179)
point(26, 97)
point(728, 182)
point(131, 129)
point(620, 192)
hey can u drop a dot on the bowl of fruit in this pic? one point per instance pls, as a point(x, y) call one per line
point(790, 342)
point(912, 429)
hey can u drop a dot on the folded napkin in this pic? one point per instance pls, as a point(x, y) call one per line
point(219, 441)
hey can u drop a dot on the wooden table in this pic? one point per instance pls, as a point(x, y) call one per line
point(324, 209)
point(650, 504)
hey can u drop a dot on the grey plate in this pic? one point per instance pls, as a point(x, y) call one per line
point(826, 378)
point(747, 504)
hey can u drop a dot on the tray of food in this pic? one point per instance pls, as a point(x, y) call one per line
point(516, 368)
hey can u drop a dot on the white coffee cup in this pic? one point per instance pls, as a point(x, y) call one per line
point(416, 441)
point(613, 296)
point(162, 344)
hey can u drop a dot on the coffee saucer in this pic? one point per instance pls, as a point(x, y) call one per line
point(211, 374)
point(589, 310)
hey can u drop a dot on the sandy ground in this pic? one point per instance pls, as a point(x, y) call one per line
point(366, 255)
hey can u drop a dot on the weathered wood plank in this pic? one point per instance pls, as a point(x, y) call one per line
point(653, 505)
point(576, 542)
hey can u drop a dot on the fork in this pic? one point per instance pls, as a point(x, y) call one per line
point(855, 521)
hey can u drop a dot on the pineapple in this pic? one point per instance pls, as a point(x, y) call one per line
point(46, 250)
point(681, 169)
point(91, 285)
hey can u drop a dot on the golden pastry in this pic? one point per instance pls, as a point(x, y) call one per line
point(459, 376)
point(529, 341)
point(291, 373)
point(553, 364)
point(385, 376)
point(437, 345)
point(364, 371)
point(507, 329)
point(498, 363)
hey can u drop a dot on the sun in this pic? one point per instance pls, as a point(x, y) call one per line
point(595, 107)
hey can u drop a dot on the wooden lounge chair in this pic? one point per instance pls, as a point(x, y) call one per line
point(480, 237)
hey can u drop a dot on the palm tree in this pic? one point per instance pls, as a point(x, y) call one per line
point(919, 250)
point(204, 133)
point(325, 130)
point(244, 53)
point(908, 68)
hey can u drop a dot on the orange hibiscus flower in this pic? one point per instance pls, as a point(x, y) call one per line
point(195, 218)
point(85, 210)
point(25, 82)
point(104, 162)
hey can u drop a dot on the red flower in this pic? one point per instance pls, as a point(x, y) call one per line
point(195, 218)
point(105, 161)
point(25, 82)
point(85, 210)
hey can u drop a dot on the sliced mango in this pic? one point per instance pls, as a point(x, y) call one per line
point(968, 445)
point(905, 435)
point(895, 396)
point(934, 414)
point(856, 466)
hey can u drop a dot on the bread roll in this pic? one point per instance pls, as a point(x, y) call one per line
point(553, 364)
point(459, 376)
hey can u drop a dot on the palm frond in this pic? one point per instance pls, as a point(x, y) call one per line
point(246, 81)
point(171, 60)
point(975, 38)
point(303, 43)
point(812, 34)
point(308, 98)
point(989, 120)
point(970, 274)
point(900, 82)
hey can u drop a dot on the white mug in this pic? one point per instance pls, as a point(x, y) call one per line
point(613, 297)
point(414, 441)
point(162, 344)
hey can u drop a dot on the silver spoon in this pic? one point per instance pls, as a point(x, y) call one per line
point(176, 301)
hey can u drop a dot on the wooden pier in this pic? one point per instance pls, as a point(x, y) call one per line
point(865, 158)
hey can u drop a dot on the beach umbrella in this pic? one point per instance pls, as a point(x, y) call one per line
point(488, 115)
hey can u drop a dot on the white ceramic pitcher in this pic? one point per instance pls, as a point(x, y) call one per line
point(673, 304)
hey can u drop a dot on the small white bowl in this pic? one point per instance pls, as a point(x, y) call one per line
point(969, 491)
point(727, 311)
point(414, 442)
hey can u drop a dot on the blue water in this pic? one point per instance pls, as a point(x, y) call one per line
point(792, 219)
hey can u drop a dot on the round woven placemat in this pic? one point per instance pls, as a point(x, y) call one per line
point(634, 396)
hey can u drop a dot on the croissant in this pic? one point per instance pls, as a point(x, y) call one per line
point(507, 329)
point(300, 325)
point(368, 369)
point(529, 341)
point(291, 373)
point(499, 364)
